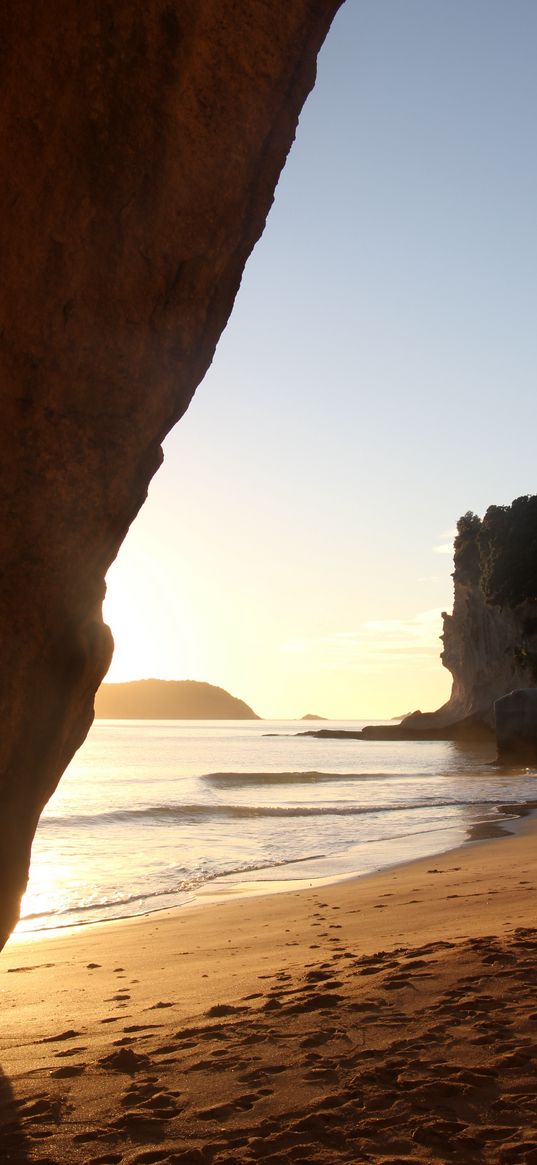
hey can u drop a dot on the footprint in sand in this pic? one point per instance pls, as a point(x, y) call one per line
point(139, 1027)
point(160, 1104)
point(134, 1123)
point(68, 1070)
point(69, 1034)
point(396, 983)
point(35, 967)
point(317, 1002)
point(254, 1076)
point(84, 1138)
point(41, 1108)
point(221, 1009)
point(321, 1075)
point(125, 1060)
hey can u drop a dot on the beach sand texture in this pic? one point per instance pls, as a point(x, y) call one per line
point(387, 1019)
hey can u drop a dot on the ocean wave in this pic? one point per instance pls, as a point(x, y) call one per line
point(229, 780)
point(218, 811)
point(186, 885)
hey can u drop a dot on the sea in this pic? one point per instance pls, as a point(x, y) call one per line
point(153, 814)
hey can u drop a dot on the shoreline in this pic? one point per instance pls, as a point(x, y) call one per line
point(244, 898)
point(244, 884)
point(286, 1027)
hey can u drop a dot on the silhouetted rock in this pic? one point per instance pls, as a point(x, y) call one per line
point(409, 729)
point(141, 145)
point(333, 733)
point(490, 639)
point(169, 700)
point(516, 727)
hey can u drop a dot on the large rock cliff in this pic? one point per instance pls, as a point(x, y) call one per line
point(141, 144)
point(490, 639)
point(487, 650)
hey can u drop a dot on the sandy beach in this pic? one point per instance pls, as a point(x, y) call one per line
point(387, 1019)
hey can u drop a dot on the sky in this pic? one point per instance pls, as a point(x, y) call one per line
point(376, 380)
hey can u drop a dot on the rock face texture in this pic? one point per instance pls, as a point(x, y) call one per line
point(141, 145)
point(485, 649)
point(490, 639)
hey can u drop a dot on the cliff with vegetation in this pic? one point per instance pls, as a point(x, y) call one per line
point(490, 639)
point(169, 700)
point(141, 143)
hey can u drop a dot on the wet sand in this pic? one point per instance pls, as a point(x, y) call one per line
point(388, 1019)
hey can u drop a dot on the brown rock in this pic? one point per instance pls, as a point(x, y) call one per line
point(483, 651)
point(141, 145)
point(516, 727)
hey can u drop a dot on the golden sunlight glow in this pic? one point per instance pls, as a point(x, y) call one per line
point(156, 627)
point(44, 892)
point(283, 660)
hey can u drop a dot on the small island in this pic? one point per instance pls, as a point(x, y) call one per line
point(169, 700)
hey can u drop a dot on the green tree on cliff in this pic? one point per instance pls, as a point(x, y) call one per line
point(499, 552)
point(467, 559)
point(508, 552)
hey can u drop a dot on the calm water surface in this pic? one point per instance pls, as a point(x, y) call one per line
point(151, 812)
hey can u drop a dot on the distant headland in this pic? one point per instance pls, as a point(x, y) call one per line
point(169, 700)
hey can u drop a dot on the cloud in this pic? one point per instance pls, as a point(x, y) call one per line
point(377, 644)
point(446, 547)
point(420, 631)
